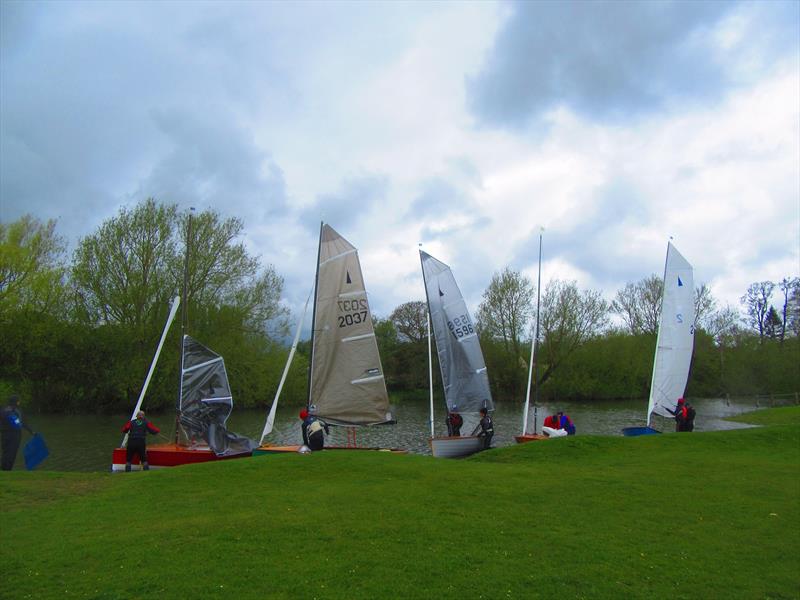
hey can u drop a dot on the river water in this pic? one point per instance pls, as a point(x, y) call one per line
point(85, 442)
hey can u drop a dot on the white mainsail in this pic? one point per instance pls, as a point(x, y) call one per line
point(346, 384)
point(675, 336)
point(464, 376)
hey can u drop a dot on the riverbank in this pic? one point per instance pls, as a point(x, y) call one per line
point(671, 516)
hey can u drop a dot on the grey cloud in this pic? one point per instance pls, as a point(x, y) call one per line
point(345, 208)
point(608, 60)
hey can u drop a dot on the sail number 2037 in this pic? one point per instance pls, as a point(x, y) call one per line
point(355, 311)
point(461, 326)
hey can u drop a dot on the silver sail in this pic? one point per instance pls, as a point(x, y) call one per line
point(347, 384)
point(466, 383)
point(206, 401)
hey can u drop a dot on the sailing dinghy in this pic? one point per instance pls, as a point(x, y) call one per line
point(204, 405)
point(346, 384)
point(464, 376)
point(675, 341)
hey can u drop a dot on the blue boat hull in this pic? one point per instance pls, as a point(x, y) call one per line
point(637, 431)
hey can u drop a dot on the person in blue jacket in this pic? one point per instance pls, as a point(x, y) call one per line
point(11, 426)
point(565, 423)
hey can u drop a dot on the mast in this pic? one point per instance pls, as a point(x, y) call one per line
point(314, 316)
point(184, 318)
point(658, 336)
point(430, 355)
point(533, 367)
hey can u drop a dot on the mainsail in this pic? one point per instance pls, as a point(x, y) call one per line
point(346, 385)
point(206, 401)
point(466, 383)
point(675, 336)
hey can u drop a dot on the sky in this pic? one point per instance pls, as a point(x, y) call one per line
point(467, 127)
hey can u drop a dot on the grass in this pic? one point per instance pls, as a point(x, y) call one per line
point(703, 515)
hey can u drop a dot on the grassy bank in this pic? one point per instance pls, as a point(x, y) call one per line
point(673, 516)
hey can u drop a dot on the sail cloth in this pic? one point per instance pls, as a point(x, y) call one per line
point(675, 336)
point(206, 401)
point(466, 383)
point(347, 385)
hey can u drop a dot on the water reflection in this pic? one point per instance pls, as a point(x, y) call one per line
point(85, 442)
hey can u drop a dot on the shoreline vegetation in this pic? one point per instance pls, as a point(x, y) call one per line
point(672, 516)
point(80, 338)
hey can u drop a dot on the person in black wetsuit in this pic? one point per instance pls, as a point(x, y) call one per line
point(485, 429)
point(11, 425)
point(137, 430)
point(454, 423)
point(314, 430)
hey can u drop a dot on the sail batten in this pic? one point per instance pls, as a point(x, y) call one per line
point(346, 381)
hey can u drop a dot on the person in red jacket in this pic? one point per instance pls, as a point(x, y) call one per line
point(137, 430)
point(553, 422)
point(681, 413)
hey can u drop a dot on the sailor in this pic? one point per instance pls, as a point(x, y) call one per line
point(137, 430)
point(11, 425)
point(553, 422)
point(454, 422)
point(681, 414)
point(564, 422)
point(314, 430)
point(485, 429)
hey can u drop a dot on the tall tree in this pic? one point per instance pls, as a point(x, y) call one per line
point(705, 305)
point(507, 308)
point(31, 268)
point(410, 321)
point(756, 303)
point(122, 272)
point(773, 325)
point(569, 317)
point(790, 287)
point(639, 304)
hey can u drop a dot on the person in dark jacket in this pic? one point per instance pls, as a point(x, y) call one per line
point(314, 430)
point(485, 429)
point(11, 426)
point(681, 414)
point(137, 430)
point(454, 423)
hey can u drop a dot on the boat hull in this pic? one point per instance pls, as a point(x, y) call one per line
point(294, 449)
point(530, 437)
point(454, 447)
point(637, 431)
point(170, 455)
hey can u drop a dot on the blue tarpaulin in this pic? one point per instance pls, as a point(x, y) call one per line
point(35, 452)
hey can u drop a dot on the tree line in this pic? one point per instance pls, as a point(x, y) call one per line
point(79, 334)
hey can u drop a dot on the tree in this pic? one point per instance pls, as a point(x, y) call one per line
point(31, 269)
point(772, 324)
point(410, 320)
point(639, 304)
point(506, 308)
point(756, 302)
point(122, 273)
point(723, 325)
point(791, 308)
point(705, 305)
point(569, 318)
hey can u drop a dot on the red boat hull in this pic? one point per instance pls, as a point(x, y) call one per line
point(530, 437)
point(170, 455)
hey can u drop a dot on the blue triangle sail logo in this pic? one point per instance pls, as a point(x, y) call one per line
point(441, 293)
point(348, 278)
point(680, 283)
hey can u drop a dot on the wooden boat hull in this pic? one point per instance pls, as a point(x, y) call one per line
point(637, 431)
point(294, 449)
point(530, 437)
point(455, 446)
point(170, 455)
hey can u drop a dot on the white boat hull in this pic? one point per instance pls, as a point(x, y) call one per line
point(453, 447)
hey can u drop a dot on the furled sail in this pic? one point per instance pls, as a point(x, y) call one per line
point(206, 401)
point(675, 336)
point(347, 385)
point(466, 383)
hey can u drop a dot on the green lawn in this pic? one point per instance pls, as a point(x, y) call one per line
point(702, 515)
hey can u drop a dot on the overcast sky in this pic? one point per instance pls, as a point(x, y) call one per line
point(462, 126)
